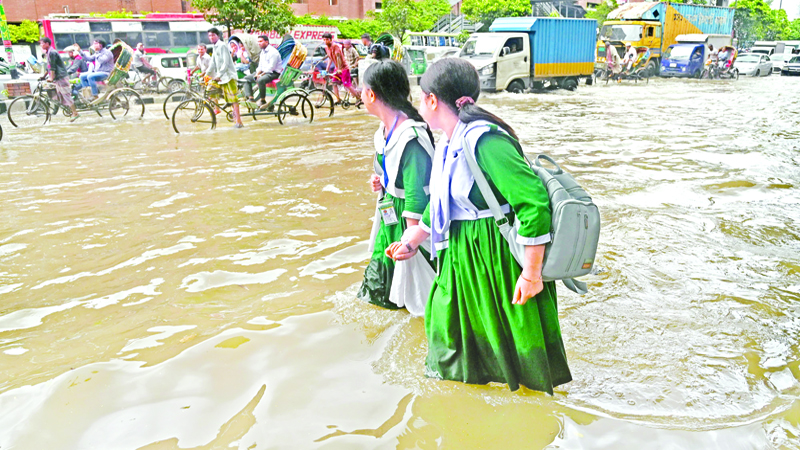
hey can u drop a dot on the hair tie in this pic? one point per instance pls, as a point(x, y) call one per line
point(465, 100)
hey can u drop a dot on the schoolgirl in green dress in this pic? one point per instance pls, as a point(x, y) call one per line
point(487, 319)
point(402, 163)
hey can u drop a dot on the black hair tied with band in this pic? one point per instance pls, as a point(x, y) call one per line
point(453, 79)
point(389, 81)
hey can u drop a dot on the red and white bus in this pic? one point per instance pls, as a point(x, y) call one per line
point(177, 33)
point(168, 32)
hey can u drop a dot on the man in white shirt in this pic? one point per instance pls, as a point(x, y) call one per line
point(203, 60)
point(141, 65)
point(223, 72)
point(269, 69)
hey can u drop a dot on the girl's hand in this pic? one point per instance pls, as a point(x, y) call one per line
point(375, 183)
point(400, 251)
point(526, 288)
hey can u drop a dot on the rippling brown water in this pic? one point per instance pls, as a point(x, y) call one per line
point(197, 291)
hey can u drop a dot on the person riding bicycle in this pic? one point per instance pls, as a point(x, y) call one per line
point(77, 65)
point(268, 70)
point(223, 72)
point(352, 57)
point(57, 74)
point(630, 56)
point(141, 65)
point(103, 61)
point(341, 73)
point(613, 63)
point(725, 54)
point(203, 60)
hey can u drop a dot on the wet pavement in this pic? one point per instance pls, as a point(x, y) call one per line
point(165, 291)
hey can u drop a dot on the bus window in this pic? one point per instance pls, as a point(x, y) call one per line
point(97, 27)
point(105, 37)
point(204, 38)
point(155, 26)
point(157, 40)
point(184, 39)
point(82, 39)
point(130, 38)
point(64, 40)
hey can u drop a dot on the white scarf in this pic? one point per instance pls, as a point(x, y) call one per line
point(452, 180)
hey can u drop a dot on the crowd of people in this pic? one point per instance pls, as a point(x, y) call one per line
point(487, 318)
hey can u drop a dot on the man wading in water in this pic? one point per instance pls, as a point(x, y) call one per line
point(224, 73)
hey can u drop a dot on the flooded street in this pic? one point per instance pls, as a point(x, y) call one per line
point(160, 291)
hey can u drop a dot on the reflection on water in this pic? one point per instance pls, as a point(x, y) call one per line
point(198, 291)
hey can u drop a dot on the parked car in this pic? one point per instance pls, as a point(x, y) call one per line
point(754, 64)
point(779, 60)
point(792, 67)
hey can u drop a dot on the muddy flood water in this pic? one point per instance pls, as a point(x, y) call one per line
point(198, 291)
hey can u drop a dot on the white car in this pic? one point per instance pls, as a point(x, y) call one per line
point(754, 64)
point(172, 65)
point(779, 60)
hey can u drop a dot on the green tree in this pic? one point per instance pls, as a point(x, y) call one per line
point(600, 14)
point(248, 15)
point(755, 20)
point(485, 11)
point(792, 32)
point(399, 16)
point(27, 31)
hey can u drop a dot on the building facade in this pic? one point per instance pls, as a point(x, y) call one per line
point(349, 9)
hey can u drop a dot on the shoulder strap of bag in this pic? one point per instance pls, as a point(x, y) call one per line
point(483, 185)
point(579, 287)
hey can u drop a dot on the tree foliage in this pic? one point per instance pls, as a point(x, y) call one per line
point(349, 29)
point(755, 20)
point(600, 14)
point(399, 16)
point(248, 15)
point(27, 31)
point(485, 11)
point(792, 32)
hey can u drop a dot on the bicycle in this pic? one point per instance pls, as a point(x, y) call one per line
point(322, 97)
point(193, 87)
point(200, 112)
point(157, 83)
point(37, 108)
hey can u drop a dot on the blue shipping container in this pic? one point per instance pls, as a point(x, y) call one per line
point(559, 46)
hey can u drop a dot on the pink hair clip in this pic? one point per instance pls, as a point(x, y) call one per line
point(465, 100)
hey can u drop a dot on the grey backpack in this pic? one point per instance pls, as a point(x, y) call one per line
point(574, 230)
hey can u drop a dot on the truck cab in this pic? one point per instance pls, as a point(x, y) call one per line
point(683, 60)
point(639, 33)
point(500, 58)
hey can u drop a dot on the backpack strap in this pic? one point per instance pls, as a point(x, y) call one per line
point(579, 287)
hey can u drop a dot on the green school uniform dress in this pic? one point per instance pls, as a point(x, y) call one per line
point(475, 334)
point(407, 159)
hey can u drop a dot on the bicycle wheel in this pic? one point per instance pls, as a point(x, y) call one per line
point(163, 84)
point(346, 100)
point(176, 85)
point(193, 115)
point(177, 96)
point(125, 103)
point(295, 109)
point(322, 101)
point(28, 111)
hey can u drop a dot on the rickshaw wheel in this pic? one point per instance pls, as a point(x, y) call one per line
point(178, 96)
point(28, 111)
point(193, 115)
point(322, 100)
point(126, 103)
point(295, 109)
